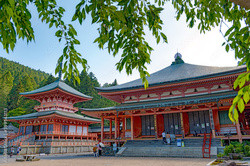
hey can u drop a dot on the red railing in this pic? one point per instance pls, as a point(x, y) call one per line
point(245, 132)
point(94, 135)
point(19, 139)
point(205, 149)
point(59, 143)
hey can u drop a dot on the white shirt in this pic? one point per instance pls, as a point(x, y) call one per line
point(163, 134)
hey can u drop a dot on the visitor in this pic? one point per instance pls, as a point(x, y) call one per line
point(18, 150)
point(163, 137)
point(115, 148)
point(11, 151)
point(95, 151)
point(99, 150)
point(168, 138)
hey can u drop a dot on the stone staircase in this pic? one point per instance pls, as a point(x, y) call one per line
point(159, 143)
point(150, 148)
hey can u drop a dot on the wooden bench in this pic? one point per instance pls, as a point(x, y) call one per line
point(29, 157)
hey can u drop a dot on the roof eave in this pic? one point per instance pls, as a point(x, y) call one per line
point(100, 89)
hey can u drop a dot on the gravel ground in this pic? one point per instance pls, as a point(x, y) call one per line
point(89, 160)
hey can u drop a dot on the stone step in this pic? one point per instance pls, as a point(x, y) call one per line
point(159, 143)
point(163, 152)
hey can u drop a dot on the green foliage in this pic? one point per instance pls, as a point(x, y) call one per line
point(242, 97)
point(16, 78)
point(220, 155)
point(228, 149)
point(247, 150)
point(112, 84)
point(87, 85)
point(16, 112)
point(236, 147)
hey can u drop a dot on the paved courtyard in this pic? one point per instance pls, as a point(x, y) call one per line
point(89, 160)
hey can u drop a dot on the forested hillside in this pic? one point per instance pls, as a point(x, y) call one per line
point(16, 78)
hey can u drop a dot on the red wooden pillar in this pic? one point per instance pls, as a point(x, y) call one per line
point(182, 125)
point(155, 126)
point(110, 128)
point(116, 127)
point(132, 128)
point(24, 131)
point(123, 127)
point(102, 129)
point(212, 122)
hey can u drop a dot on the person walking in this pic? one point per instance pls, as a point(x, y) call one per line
point(163, 137)
point(11, 151)
point(95, 150)
point(99, 150)
point(18, 150)
point(115, 148)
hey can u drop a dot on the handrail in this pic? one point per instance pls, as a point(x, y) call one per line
point(245, 132)
point(209, 145)
point(204, 144)
point(66, 133)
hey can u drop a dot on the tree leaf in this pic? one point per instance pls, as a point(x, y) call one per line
point(235, 115)
point(246, 97)
point(241, 105)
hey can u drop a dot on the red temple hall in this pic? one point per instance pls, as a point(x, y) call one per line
point(55, 118)
point(184, 100)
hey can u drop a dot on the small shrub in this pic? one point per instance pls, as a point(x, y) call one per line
point(247, 150)
point(239, 148)
point(220, 155)
point(229, 149)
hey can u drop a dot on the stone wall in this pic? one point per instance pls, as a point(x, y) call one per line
point(50, 149)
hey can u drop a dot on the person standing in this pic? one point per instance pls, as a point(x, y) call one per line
point(168, 138)
point(95, 150)
point(163, 137)
point(115, 148)
point(99, 150)
point(11, 151)
point(18, 150)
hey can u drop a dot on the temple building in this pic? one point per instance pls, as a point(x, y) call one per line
point(55, 120)
point(184, 100)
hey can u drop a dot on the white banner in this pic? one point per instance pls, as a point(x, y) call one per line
point(85, 130)
point(72, 129)
point(79, 129)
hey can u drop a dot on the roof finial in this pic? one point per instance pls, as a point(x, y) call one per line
point(178, 59)
point(60, 72)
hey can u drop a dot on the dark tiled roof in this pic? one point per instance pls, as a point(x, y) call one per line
point(177, 73)
point(57, 84)
point(188, 100)
point(98, 129)
point(2, 135)
point(45, 113)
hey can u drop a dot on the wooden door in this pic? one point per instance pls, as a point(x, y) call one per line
point(147, 125)
point(36, 128)
point(199, 122)
point(172, 123)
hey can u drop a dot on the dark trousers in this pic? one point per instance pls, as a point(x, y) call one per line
point(164, 139)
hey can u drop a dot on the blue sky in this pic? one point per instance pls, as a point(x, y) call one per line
point(196, 48)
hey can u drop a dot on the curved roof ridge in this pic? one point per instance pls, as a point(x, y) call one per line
point(177, 73)
point(57, 84)
point(50, 112)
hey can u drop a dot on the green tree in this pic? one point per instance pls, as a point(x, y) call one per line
point(122, 26)
point(16, 112)
point(6, 83)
